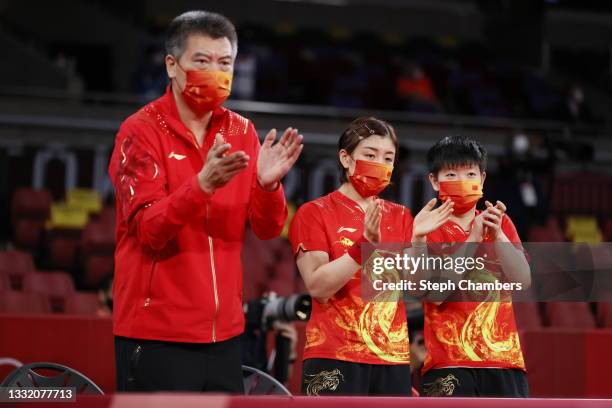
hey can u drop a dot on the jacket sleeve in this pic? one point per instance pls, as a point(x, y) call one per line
point(151, 213)
point(267, 209)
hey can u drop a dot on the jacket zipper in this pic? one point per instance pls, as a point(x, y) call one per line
point(147, 301)
point(214, 275)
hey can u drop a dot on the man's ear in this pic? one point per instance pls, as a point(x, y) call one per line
point(433, 179)
point(171, 66)
point(483, 177)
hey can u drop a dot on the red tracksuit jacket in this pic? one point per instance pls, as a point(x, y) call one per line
point(178, 273)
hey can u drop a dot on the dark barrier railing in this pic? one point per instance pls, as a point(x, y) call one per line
point(553, 127)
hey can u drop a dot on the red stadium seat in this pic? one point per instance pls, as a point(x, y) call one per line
point(527, 315)
point(63, 252)
point(97, 268)
point(608, 230)
point(256, 258)
point(14, 266)
point(98, 238)
point(571, 315)
point(63, 249)
point(56, 286)
point(82, 303)
point(97, 251)
point(282, 273)
point(604, 314)
point(20, 302)
point(551, 232)
point(32, 204)
point(29, 210)
point(28, 232)
point(108, 216)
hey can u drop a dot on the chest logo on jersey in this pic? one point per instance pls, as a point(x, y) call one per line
point(342, 229)
point(176, 156)
point(345, 242)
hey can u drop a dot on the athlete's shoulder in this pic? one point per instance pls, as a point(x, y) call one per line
point(396, 210)
point(316, 206)
point(509, 229)
point(236, 123)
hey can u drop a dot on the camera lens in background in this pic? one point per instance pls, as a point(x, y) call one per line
point(287, 309)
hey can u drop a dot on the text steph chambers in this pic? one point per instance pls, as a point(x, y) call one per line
point(464, 284)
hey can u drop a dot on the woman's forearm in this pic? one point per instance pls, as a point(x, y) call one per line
point(330, 277)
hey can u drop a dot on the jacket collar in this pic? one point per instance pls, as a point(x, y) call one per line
point(166, 105)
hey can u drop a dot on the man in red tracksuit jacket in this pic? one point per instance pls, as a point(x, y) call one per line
point(188, 174)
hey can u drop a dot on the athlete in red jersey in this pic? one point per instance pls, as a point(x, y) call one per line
point(353, 346)
point(473, 347)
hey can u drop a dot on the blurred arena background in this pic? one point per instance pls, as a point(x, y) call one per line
point(530, 79)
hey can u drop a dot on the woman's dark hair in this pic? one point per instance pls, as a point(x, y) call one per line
point(456, 151)
point(211, 24)
point(360, 129)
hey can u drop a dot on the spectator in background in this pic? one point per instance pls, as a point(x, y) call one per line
point(75, 85)
point(349, 83)
point(520, 184)
point(415, 91)
point(575, 108)
point(245, 74)
point(151, 77)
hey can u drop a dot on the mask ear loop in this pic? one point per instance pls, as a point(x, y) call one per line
point(181, 68)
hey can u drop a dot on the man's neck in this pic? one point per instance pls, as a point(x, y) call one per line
point(196, 124)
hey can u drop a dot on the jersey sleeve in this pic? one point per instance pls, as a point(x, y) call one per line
point(407, 220)
point(509, 230)
point(307, 232)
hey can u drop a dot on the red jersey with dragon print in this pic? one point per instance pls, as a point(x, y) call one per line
point(346, 327)
point(472, 334)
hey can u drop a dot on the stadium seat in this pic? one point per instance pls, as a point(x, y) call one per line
point(82, 303)
point(29, 203)
point(256, 382)
point(570, 315)
point(62, 246)
point(68, 216)
point(282, 272)
point(98, 238)
point(87, 199)
point(604, 314)
point(14, 266)
point(256, 258)
point(107, 215)
point(30, 376)
point(551, 232)
point(56, 286)
point(97, 251)
point(608, 230)
point(29, 211)
point(97, 267)
point(28, 233)
point(527, 315)
point(20, 302)
point(583, 229)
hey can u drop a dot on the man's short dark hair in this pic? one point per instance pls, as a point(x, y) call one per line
point(207, 23)
point(454, 152)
